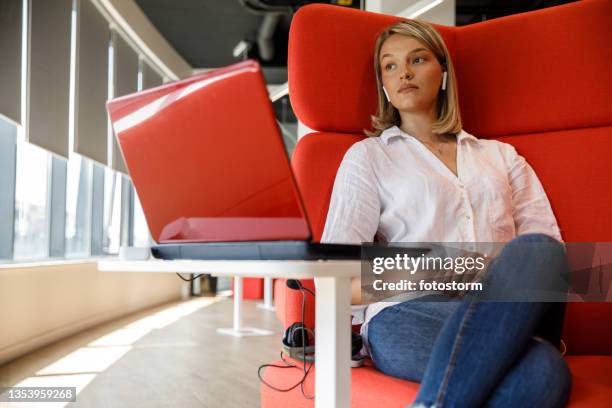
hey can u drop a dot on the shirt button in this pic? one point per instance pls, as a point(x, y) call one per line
point(468, 217)
point(461, 185)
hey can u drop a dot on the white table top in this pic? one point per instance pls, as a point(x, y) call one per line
point(273, 269)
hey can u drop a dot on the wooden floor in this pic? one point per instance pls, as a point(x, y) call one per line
point(169, 356)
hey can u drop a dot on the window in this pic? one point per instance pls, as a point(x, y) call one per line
point(78, 207)
point(287, 122)
point(112, 211)
point(31, 203)
point(52, 207)
point(141, 230)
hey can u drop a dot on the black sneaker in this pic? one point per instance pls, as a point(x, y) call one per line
point(356, 344)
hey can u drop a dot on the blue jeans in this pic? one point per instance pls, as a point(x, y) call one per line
point(472, 354)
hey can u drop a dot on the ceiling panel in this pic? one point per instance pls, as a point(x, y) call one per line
point(205, 32)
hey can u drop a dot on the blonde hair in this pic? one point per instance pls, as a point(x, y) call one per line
point(449, 117)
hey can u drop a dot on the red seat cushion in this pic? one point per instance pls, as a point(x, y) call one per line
point(369, 388)
point(591, 386)
point(591, 381)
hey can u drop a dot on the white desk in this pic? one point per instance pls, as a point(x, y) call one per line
point(332, 308)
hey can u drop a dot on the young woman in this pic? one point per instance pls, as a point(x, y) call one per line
point(420, 177)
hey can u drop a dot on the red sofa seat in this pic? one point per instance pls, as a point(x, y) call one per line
point(538, 80)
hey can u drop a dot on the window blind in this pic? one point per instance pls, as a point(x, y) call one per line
point(10, 67)
point(49, 75)
point(126, 82)
point(93, 37)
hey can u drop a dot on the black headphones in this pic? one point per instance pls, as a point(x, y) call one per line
point(297, 343)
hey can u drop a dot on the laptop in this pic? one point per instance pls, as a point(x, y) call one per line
point(209, 165)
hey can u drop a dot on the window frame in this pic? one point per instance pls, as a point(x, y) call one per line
point(57, 202)
point(8, 181)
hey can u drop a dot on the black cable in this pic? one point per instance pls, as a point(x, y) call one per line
point(296, 284)
point(309, 291)
point(189, 279)
point(287, 363)
point(304, 342)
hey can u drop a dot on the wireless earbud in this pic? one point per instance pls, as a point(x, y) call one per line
point(386, 94)
point(444, 76)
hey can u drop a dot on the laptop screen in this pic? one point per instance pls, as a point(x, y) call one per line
point(207, 159)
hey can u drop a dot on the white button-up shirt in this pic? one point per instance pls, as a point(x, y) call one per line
point(393, 187)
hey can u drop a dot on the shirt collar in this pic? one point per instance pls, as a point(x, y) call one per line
point(395, 131)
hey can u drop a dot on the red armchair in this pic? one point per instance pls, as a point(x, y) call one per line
point(539, 81)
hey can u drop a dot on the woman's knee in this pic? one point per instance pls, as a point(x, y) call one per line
point(541, 375)
point(534, 244)
point(534, 237)
point(548, 373)
point(531, 262)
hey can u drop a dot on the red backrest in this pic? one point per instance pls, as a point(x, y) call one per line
point(537, 80)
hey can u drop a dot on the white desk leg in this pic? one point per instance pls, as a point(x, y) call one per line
point(268, 303)
point(237, 330)
point(197, 285)
point(237, 304)
point(333, 343)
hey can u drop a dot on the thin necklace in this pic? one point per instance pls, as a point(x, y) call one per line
point(438, 147)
